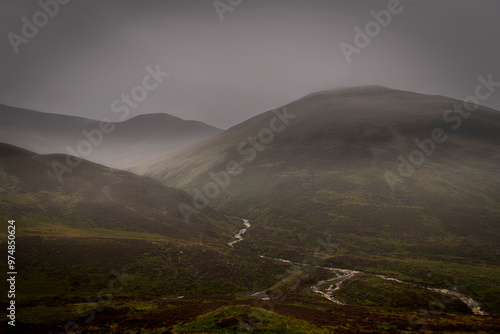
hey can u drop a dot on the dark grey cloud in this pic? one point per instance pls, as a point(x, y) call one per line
point(264, 54)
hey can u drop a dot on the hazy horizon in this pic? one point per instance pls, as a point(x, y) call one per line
point(260, 56)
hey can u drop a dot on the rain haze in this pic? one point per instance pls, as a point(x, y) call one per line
point(227, 65)
point(257, 166)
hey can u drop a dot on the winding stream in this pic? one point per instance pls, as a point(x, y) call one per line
point(343, 275)
point(470, 302)
point(238, 236)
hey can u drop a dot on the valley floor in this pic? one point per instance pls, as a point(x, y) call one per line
point(308, 299)
point(237, 313)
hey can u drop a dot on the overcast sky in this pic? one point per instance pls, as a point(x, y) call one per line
point(263, 54)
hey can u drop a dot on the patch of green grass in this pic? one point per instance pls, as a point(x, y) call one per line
point(232, 319)
point(7, 181)
point(68, 200)
point(13, 197)
point(32, 226)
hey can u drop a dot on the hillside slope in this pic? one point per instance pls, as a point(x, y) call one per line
point(95, 196)
point(103, 224)
point(325, 173)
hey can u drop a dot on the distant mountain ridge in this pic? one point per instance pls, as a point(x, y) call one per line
point(119, 145)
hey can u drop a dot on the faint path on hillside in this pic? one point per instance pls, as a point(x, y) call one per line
point(106, 191)
point(34, 157)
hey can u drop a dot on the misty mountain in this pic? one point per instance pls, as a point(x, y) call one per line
point(113, 144)
point(365, 128)
point(371, 161)
point(346, 163)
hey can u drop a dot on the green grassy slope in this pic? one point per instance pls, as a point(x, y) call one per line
point(93, 197)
